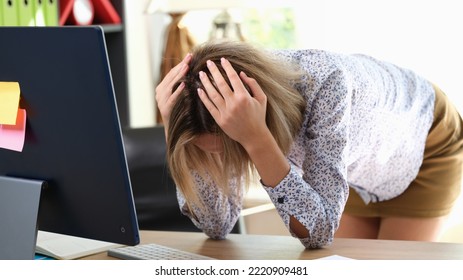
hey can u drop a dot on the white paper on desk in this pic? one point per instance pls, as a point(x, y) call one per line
point(335, 257)
point(66, 247)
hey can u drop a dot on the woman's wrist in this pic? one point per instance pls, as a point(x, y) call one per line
point(269, 160)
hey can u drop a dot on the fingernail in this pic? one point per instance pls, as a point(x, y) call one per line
point(224, 60)
point(201, 74)
point(200, 92)
point(209, 63)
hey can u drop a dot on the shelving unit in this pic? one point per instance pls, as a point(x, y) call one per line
point(117, 52)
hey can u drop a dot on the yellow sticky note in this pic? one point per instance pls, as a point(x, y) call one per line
point(12, 136)
point(9, 102)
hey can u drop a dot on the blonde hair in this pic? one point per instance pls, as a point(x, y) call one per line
point(190, 118)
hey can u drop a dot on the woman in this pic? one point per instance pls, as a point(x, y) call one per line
point(317, 127)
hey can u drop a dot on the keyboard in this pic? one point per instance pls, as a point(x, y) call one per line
point(153, 252)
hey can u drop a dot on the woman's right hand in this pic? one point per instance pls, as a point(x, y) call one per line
point(165, 98)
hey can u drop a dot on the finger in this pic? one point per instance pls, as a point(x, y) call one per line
point(185, 61)
point(211, 92)
point(165, 102)
point(235, 80)
point(219, 80)
point(165, 88)
point(255, 88)
point(178, 71)
point(215, 113)
point(187, 58)
point(176, 93)
point(165, 91)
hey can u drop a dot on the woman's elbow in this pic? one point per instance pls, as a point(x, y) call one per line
point(217, 233)
point(315, 243)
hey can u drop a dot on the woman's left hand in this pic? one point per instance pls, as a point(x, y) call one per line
point(239, 113)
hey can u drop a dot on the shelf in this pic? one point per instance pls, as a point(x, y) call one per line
point(111, 28)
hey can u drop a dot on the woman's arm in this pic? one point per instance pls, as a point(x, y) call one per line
point(315, 195)
point(220, 212)
point(242, 116)
point(311, 205)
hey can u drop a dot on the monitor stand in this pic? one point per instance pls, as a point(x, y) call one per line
point(19, 207)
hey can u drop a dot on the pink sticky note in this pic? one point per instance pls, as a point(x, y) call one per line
point(12, 136)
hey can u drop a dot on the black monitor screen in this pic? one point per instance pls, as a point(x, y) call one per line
point(73, 136)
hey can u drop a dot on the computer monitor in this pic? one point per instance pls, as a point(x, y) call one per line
point(73, 136)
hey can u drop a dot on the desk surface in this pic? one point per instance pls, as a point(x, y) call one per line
point(260, 247)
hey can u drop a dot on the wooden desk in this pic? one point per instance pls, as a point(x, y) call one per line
point(260, 247)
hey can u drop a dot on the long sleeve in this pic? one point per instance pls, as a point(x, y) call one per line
point(221, 211)
point(315, 190)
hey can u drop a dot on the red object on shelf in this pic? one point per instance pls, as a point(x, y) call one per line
point(65, 9)
point(76, 12)
point(105, 12)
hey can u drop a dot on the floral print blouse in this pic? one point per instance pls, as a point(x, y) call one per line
point(366, 123)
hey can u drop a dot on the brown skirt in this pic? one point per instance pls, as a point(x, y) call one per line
point(438, 183)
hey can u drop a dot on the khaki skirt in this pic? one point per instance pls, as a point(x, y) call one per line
point(438, 183)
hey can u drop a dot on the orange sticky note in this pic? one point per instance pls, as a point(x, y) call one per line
point(9, 102)
point(12, 136)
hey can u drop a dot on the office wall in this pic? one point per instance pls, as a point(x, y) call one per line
point(140, 71)
point(424, 35)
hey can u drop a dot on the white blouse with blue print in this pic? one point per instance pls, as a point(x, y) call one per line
point(366, 123)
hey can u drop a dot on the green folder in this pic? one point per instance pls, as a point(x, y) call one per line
point(38, 8)
point(1, 14)
point(25, 13)
point(9, 12)
point(51, 12)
